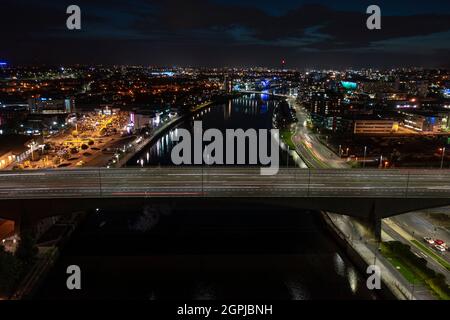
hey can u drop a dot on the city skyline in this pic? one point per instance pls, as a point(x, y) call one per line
point(305, 34)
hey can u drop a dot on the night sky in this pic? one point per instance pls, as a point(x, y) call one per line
point(307, 33)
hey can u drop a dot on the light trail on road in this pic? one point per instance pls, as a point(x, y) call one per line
point(225, 182)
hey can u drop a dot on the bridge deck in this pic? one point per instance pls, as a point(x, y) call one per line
point(223, 182)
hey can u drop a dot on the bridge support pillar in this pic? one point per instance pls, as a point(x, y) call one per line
point(375, 228)
point(24, 223)
point(372, 225)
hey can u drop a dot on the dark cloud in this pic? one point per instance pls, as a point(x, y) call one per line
point(341, 28)
point(217, 32)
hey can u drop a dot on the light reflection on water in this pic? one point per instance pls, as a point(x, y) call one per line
point(239, 113)
point(346, 271)
point(339, 265)
point(353, 279)
point(160, 253)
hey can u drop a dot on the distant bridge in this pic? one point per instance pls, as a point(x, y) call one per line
point(267, 93)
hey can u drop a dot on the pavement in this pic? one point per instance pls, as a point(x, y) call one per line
point(369, 252)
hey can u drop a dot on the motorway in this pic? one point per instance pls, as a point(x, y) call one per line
point(398, 233)
point(311, 150)
point(224, 182)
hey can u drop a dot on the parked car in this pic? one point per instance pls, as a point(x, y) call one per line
point(439, 248)
point(428, 240)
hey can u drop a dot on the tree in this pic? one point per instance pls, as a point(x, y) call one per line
point(10, 271)
point(27, 249)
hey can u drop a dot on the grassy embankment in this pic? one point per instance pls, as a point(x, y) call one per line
point(286, 136)
point(415, 269)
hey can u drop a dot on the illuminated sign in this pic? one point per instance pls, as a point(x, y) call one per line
point(349, 85)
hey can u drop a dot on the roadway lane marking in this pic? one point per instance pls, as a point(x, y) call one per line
point(22, 174)
point(156, 193)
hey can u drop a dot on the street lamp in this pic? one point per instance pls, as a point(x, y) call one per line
point(413, 289)
point(365, 153)
point(32, 146)
point(287, 157)
point(443, 155)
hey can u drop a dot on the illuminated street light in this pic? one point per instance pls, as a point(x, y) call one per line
point(365, 153)
point(443, 155)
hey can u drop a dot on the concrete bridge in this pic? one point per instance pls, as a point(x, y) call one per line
point(367, 194)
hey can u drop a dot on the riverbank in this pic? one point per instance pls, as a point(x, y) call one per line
point(122, 161)
point(361, 261)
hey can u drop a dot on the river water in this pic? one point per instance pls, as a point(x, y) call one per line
point(209, 251)
point(252, 111)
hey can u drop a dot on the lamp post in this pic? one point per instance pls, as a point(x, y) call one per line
point(413, 289)
point(32, 145)
point(287, 157)
point(443, 155)
point(365, 154)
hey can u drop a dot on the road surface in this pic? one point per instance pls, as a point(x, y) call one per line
point(224, 182)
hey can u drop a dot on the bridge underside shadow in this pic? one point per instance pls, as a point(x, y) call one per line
point(366, 207)
point(33, 210)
